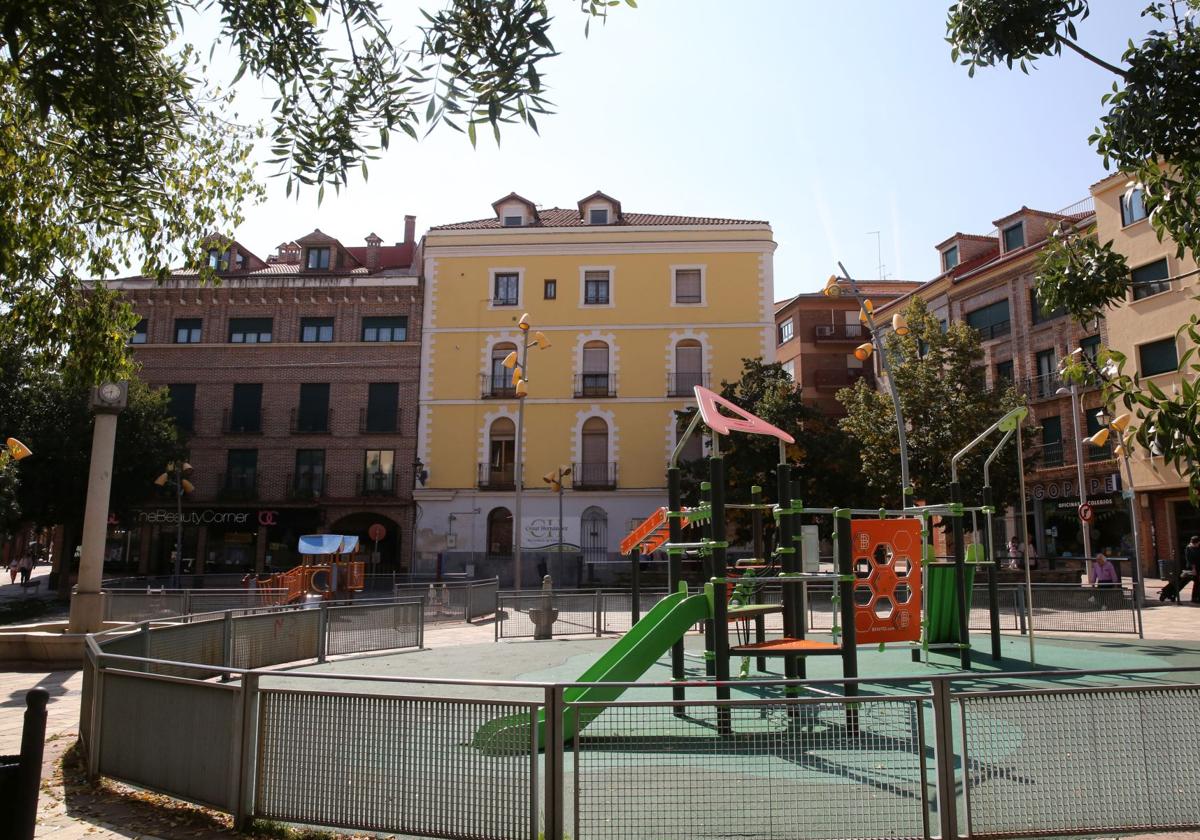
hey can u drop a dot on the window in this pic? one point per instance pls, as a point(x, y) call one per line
point(309, 478)
point(689, 288)
point(250, 330)
point(1004, 374)
point(377, 470)
point(1133, 206)
point(498, 472)
point(1040, 315)
point(240, 261)
point(1014, 237)
point(595, 288)
point(1052, 442)
point(499, 379)
point(786, 331)
point(1151, 279)
point(1047, 373)
point(992, 321)
point(241, 470)
point(950, 258)
point(187, 330)
point(317, 258)
point(1090, 346)
point(594, 382)
point(181, 405)
point(312, 415)
point(218, 260)
point(316, 329)
point(383, 399)
point(598, 216)
point(689, 367)
point(789, 367)
point(392, 328)
point(549, 289)
point(247, 409)
point(141, 332)
point(593, 471)
point(1158, 357)
point(514, 221)
point(505, 291)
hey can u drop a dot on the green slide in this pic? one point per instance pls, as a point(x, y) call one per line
point(628, 659)
point(941, 596)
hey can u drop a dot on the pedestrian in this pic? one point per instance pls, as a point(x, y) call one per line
point(1033, 563)
point(1191, 560)
point(14, 566)
point(1103, 574)
point(1014, 554)
point(26, 567)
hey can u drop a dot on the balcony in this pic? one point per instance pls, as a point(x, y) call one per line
point(307, 485)
point(241, 422)
point(368, 425)
point(239, 486)
point(1042, 387)
point(595, 385)
point(492, 477)
point(833, 379)
point(839, 332)
point(302, 422)
point(1050, 455)
point(377, 483)
point(594, 476)
point(987, 332)
point(496, 386)
point(681, 384)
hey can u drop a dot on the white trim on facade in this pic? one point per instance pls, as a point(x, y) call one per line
point(485, 432)
point(766, 291)
point(582, 248)
point(741, 325)
point(582, 417)
point(614, 364)
point(705, 352)
point(425, 384)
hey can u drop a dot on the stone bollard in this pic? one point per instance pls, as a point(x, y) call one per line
point(544, 615)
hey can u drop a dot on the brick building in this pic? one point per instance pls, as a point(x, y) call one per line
point(296, 380)
point(816, 336)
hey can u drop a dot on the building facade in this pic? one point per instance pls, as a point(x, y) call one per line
point(817, 335)
point(1162, 298)
point(295, 381)
point(638, 309)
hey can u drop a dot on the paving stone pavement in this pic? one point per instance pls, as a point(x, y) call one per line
point(69, 808)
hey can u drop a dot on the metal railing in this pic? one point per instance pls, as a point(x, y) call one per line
point(301, 422)
point(595, 385)
point(839, 332)
point(988, 332)
point(1041, 387)
point(682, 384)
point(456, 600)
point(1023, 754)
point(376, 484)
point(578, 612)
point(307, 485)
point(246, 423)
point(594, 476)
point(492, 477)
point(496, 386)
point(377, 426)
point(237, 486)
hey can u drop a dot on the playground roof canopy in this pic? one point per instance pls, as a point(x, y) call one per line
point(328, 544)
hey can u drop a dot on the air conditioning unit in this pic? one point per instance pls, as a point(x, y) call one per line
point(825, 330)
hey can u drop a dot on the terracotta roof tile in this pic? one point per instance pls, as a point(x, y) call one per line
point(558, 217)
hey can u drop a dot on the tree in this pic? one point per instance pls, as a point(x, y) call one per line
point(819, 457)
point(946, 404)
point(114, 152)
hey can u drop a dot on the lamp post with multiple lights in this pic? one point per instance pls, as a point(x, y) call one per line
point(174, 476)
point(1084, 526)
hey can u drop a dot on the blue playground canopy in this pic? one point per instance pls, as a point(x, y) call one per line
point(328, 544)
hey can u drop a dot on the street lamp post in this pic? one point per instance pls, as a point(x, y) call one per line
point(519, 365)
point(179, 485)
point(1121, 450)
point(1084, 526)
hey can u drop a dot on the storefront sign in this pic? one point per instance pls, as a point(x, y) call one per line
point(207, 516)
point(541, 531)
point(1065, 489)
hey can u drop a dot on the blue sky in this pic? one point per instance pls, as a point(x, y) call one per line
point(827, 119)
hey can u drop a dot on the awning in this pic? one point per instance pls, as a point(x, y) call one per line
point(328, 544)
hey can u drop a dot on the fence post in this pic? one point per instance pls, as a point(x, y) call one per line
point(1020, 598)
point(243, 804)
point(943, 745)
point(420, 608)
point(144, 643)
point(227, 642)
point(552, 742)
point(29, 772)
point(187, 602)
point(97, 713)
point(597, 613)
point(323, 632)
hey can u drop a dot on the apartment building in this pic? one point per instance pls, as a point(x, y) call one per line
point(638, 308)
point(988, 282)
point(817, 335)
point(1163, 297)
point(295, 378)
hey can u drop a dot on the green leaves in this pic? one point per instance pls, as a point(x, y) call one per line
point(983, 33)
point(1077, 273)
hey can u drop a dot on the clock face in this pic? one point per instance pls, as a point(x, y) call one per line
point(110, 392)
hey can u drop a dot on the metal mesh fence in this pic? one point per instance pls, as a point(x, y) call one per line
point(1078, 609)
point(790, 769)
point(373, 627)
point(453, 600)
point(262, 640)
point(616, 608)
point(395, 764)
point(1081, 761)
point(201, 642)
point(200, 602)
point(141, 606)
point(574, 613)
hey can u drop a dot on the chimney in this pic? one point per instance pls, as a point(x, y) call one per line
point(410, 229)
point(373, 243)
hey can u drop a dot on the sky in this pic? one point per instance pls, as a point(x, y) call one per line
point(827, 119)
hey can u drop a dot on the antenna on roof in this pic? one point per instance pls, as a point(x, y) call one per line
point(878, 253)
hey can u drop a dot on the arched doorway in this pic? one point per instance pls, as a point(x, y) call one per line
point(499, 531)
point(359, 525)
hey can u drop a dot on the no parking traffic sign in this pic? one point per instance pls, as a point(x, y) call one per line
point(1085, 512)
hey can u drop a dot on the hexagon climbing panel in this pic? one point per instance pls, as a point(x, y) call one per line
point(887, 579)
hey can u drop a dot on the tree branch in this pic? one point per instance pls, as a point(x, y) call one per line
point(1112, 68)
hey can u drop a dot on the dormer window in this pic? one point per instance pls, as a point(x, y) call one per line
point(950, 258)
point(514, 221)
point(317, 258)
point(218, 260)
point(598, 216)
point(1014, 237)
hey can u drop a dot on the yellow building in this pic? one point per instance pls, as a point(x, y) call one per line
point(1163, 297)
point(638, 308)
